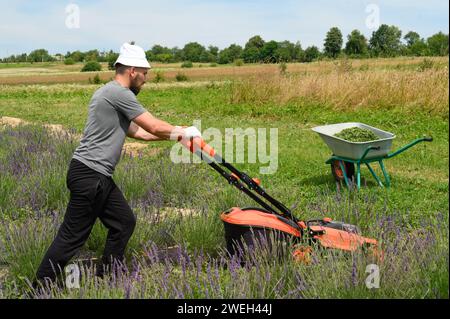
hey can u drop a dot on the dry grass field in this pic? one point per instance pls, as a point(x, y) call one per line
point(48, 73)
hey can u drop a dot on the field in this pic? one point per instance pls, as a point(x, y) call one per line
point(406, 96)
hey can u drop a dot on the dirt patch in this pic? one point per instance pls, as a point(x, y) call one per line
point(11, 121)
point(139, 149)
point(53, 128)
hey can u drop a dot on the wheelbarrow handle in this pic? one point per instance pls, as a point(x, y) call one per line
point(404, 148)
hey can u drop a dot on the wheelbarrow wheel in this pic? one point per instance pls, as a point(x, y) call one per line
point(303, 254)
point(337, 171)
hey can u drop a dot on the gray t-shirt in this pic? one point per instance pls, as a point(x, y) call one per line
point(111, 110)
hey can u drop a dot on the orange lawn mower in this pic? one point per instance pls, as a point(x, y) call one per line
point(245, 226)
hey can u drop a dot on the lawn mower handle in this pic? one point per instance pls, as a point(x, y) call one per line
point(199, 147)
point(197, 143)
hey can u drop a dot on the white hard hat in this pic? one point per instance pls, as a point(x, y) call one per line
point(132, 55)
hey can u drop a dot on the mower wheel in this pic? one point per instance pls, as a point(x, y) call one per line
point(337, 171)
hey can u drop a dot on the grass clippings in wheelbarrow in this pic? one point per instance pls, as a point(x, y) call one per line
point(356, 134)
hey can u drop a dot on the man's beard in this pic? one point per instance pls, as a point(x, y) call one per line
point(135, 89)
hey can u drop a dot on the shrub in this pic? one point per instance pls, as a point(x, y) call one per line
point(159, 77)
point(187, 64)
point(283, 68)
point(180, 77)
point(343, 66)
point(238, 62)
point(364, 67)
point(95, 80)
point(91, 66)
point(111, 60)
point(69, 61)
point(425, 65)
point(213, 65)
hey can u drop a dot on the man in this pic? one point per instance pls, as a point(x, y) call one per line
point(114, 113)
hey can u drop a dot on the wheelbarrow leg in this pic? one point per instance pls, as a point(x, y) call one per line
point(374, 175)
point(341, 164)
point(358, 175)
point(386, 176)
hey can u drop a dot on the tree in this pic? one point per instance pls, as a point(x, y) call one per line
point(212, 53)
point(415, 45)
point(160, 54)
point(311, 53)
point(230, 54)
point(164, 57)
point(438, 44)
point(111, 58)
point(286, 52)
point(40, 55)
point(158, 49)
point(69, 61)
point(193, 52)
point(298, 52)
point(411, 37)
point(213, 50)
point(356, 44)
point(16, 58)
point(177, 54)
point(251, 55)
point(149, 55)
point(252, 49)
point(255, 42)
point(224, 56)
point(91, 55)
point(77, 56)
point(419, 48)
point(268, 52)
point(385, 41)
point(333, 43)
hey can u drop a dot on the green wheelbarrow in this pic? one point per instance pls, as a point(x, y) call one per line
point(346, 154)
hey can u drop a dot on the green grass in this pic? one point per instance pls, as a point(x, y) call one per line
point(419, 191)
point(419, 176)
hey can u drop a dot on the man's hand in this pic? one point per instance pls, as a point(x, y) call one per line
point(191, 132)
point(186, 133)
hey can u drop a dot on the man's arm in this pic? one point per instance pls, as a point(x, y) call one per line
point(153, 128)
point(137, 132)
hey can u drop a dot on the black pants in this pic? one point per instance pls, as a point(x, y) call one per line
point(92, 195)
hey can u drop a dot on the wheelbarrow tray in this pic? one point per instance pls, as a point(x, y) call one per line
point(354, 150)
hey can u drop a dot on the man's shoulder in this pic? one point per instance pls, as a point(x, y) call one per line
point(113, 89)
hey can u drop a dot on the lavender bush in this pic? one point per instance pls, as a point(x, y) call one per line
point(33, 195)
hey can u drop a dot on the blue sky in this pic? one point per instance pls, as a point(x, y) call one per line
point(30, 24)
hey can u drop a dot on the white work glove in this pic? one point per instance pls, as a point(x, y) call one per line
point(191, 132)
point(186, 132)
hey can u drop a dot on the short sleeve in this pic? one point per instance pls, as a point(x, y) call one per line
point(127, 104)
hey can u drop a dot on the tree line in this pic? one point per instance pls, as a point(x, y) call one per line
point(386, 41)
